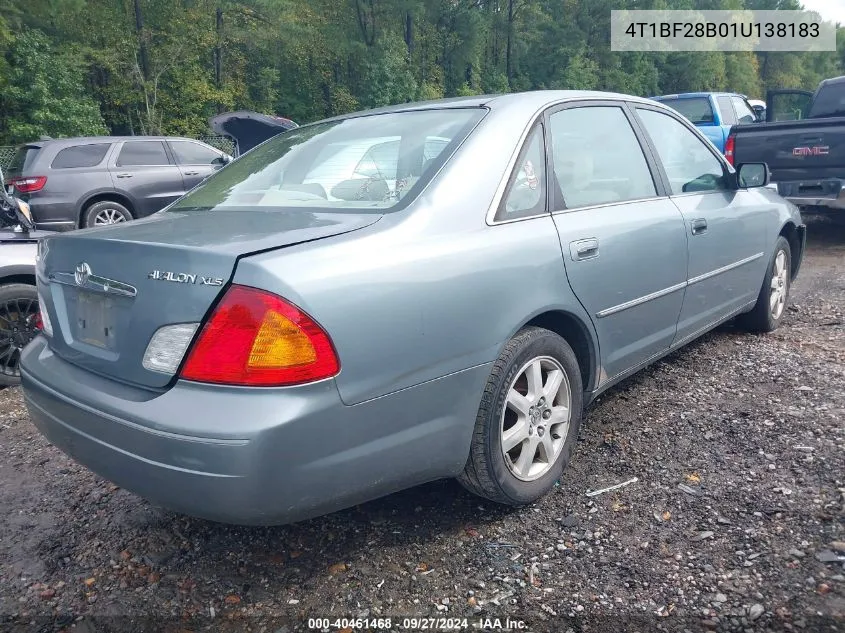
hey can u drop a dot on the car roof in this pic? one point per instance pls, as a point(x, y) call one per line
point(531, 101)
point(93, 140)
point(692, 95)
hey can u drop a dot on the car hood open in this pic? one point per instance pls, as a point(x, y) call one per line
point(249, 129)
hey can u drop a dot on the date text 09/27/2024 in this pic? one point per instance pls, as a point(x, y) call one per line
point(417, 624)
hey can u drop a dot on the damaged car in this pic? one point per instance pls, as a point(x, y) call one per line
point(293, 337)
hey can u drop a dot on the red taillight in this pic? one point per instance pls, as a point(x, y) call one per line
point(257, 338)
point(31, 184)
point(729, 148)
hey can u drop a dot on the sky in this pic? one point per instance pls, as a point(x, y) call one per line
point(833, 10)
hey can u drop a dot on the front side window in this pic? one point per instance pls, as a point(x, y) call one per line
point(526, 192)
point(367, 162)
point(726, 110)
point(142, 153)
point(696, 109)
point(597, 158)
point(689, 163)
point(80, 156)
point(188, 153)
point(743, 112)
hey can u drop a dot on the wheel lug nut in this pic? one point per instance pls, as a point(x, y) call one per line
point(547, 414)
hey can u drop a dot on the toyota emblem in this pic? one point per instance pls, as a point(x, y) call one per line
point(81, 274)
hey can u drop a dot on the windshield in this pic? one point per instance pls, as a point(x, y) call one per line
point(696, 109)
point(368, 162)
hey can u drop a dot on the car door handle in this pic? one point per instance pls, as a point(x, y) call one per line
point(699, 226)
point(124, 176)
point(584, 249)
point(192, 173)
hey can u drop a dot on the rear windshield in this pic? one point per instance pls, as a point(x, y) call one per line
point(829, 101)
point(368, 162)
point(23, 159)
point(696, 109)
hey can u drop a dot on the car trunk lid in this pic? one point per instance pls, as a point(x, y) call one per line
point(109, 289)
point(249, 129)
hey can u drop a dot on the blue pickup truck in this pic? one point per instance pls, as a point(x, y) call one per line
point(714, 113)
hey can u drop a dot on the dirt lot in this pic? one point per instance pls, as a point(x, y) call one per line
point(735, 522)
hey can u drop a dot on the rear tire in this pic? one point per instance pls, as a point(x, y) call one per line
point(527, 427)
point(767, 313)
point(105, 212)
point(18, 315)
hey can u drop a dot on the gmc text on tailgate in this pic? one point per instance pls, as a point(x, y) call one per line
point(803, 142)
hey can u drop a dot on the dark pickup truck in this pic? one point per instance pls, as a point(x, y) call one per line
point(803, 143)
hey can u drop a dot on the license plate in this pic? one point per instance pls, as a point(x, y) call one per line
point(95, 320)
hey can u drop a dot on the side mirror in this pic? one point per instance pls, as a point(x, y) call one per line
point(752, 175)
point(760, 111)
point(222, 160)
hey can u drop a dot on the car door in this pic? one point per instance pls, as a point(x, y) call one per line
point(196, 161)
point(726, 231)
point(144, 171)
point(623, 241)
point(788, 105)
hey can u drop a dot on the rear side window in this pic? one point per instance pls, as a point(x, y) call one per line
point(696, 109)
point(726, 110)
point(382, 160)
point(690, 165)
point(188, 153)
point(597, 158)
point(142, 154)
point(80, 156)
point(526, 192)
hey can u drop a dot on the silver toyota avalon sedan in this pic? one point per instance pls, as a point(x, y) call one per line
point(386, 298)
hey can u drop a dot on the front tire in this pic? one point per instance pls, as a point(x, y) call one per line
point(767, 313)
point(18, 326)
point(528, 421)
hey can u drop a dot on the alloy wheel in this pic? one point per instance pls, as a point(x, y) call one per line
point(536, 417)
point(108, 216)
point(19, 323)
point(780, 285)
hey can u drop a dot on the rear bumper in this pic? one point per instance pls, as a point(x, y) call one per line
point(828, 193)
point(252, 456)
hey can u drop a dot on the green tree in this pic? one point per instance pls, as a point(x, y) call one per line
point(47, 93)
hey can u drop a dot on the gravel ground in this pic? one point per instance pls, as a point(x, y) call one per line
point(735, 522)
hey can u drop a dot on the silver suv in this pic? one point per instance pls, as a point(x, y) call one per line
point(82, 182)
